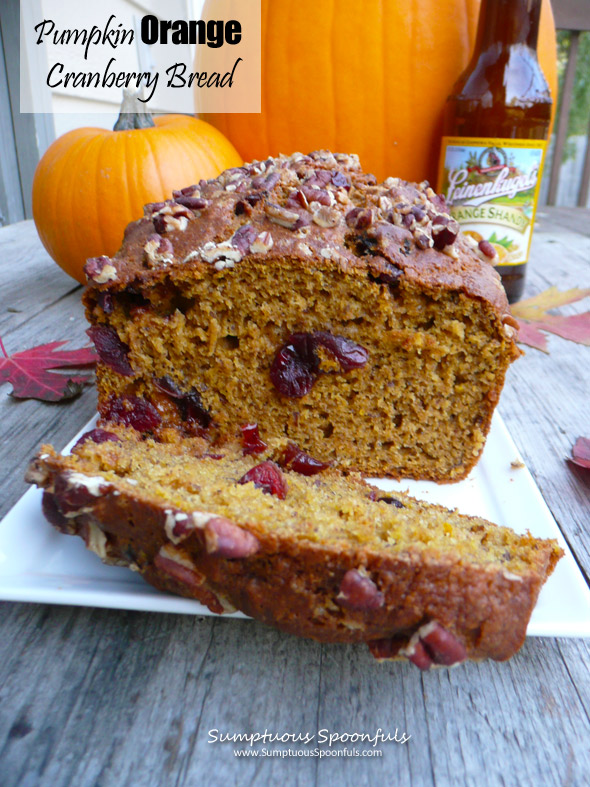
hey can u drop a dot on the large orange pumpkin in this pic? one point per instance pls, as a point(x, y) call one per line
point(92, 182)
point(369, 77)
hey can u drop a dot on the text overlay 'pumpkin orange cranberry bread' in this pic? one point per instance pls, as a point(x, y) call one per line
point(349, 316)
point(299, 545)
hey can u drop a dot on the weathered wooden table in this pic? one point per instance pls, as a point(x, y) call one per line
point(101, 697)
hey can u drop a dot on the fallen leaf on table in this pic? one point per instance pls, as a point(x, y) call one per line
point(581, 452)
point(536, 308)
point(576, 327)
point(532, 336)
point(533, 317)
point(29, 371)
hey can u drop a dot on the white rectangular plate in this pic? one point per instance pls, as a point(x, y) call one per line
point(39, 564)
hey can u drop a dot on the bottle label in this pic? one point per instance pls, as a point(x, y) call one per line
point(491, 187)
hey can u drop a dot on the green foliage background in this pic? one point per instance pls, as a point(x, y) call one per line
point(580, 107)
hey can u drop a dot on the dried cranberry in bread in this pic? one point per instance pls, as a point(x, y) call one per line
point(315, 553)
point(344, 314)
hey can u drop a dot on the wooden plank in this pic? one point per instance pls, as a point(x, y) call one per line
point(553, 219)
point(29, 279)
point(571, 14)
point(130, 698)
point(543, 401)
point(564, 112)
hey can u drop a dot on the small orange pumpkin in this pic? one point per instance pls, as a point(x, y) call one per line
point(92, 182)
point(366, 77)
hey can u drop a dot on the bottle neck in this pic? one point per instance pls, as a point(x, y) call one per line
point(508, 22)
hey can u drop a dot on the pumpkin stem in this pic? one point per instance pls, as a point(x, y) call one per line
point(132, 113)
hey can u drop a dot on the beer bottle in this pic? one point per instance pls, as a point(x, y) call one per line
point(495, 131)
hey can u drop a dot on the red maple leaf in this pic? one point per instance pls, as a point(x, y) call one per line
point(30, 375)
point(581, 452)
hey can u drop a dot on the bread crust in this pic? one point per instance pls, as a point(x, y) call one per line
point(459, 268)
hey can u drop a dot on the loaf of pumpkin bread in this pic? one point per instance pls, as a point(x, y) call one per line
point(275, 533)
point(347, 315)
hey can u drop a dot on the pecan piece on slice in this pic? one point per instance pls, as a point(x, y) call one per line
point(193, 203)
point(433, 644)
point(177, 568)
point(77, 492)
point(442, 646)
point(225, 539)
point(54, 515)
point(444, 231)
point(420, 656)
point(158, 250)
point(243, 237)
point(172, 216)
point(359, 592)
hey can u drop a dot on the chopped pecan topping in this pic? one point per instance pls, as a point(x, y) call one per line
point(243, 237)
point(171, 216)
point(194, 203)
point(487, 249)
point(100, 270)
point(326, 217)
point(224, 252)
point(158, 250)
point(276, 214)
point(262, 243)
point(359, 218)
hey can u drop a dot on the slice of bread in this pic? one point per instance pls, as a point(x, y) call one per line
point(298, 545)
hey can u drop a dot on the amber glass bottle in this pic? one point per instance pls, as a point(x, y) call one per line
point(495, 130)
